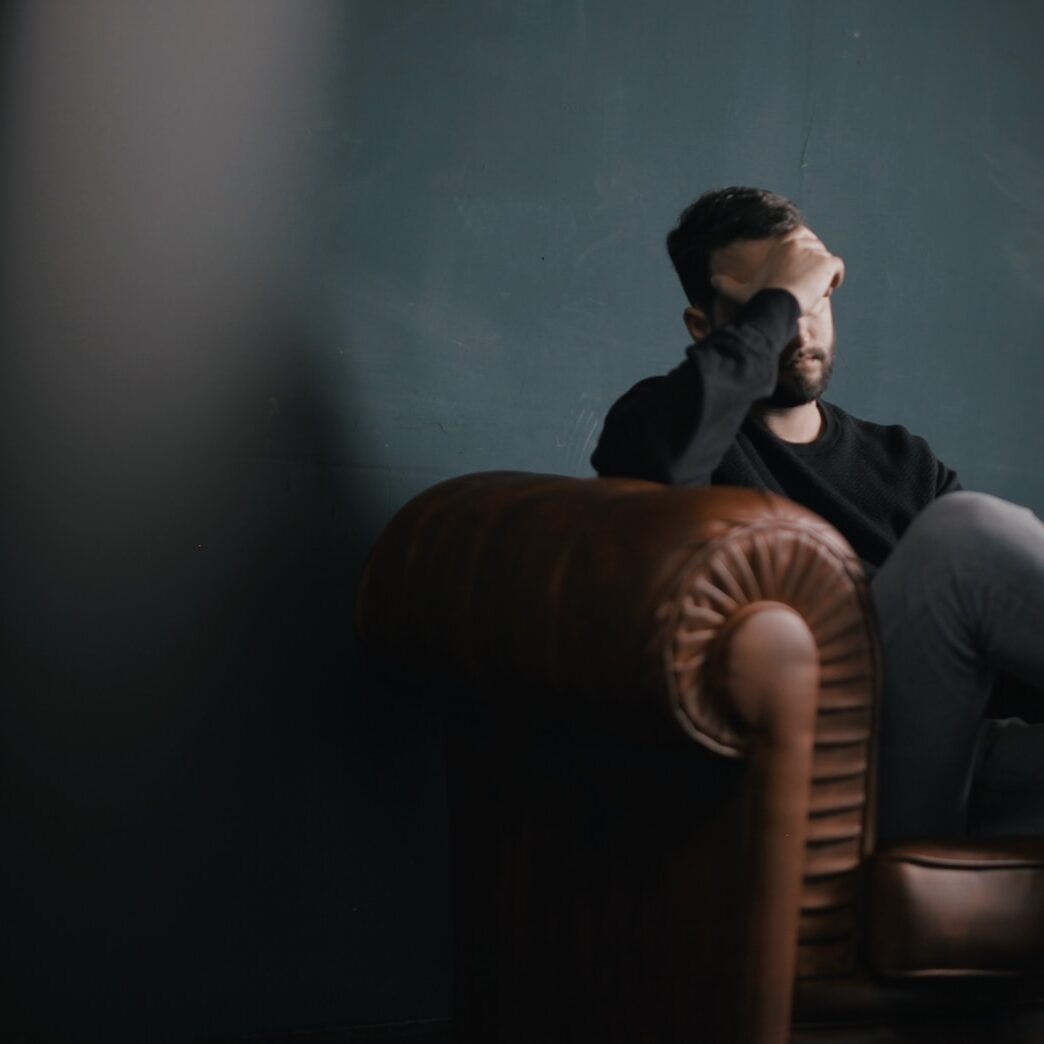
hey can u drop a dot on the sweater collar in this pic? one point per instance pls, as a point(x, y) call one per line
point(828, 433)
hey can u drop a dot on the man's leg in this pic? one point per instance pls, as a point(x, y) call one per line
point(959, 599)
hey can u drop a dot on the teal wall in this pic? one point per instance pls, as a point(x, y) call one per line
point(507, 173)
point(269, 274)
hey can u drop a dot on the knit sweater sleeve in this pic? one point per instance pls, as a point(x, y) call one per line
point(676, 428)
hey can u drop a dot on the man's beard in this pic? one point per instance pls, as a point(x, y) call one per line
point(795, 385)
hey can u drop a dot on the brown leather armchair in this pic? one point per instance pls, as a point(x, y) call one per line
point(661, 761)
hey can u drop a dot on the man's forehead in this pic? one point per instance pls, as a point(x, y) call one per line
point(743, 256)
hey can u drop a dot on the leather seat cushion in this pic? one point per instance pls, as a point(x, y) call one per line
point(965, 908)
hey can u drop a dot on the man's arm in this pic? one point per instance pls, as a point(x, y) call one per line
point(677, 428)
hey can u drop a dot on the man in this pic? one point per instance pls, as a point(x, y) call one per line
point(958, 580)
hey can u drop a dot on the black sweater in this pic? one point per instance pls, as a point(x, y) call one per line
point(694, 427)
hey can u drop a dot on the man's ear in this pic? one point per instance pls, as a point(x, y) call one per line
point(696, 322)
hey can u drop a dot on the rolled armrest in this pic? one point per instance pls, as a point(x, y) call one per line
point(606, 591)
point(731, 617)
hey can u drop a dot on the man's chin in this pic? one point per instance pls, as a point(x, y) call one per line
point(795, 388)
point(786, 396)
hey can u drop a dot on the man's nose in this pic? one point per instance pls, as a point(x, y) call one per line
point(803, 333)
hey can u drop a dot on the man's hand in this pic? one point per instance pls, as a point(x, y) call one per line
point(797, 261)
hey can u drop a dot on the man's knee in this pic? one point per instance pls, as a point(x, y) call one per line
point(968, 523)
point(971, 507)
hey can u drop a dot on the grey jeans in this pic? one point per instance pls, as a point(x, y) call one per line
point(959, 601)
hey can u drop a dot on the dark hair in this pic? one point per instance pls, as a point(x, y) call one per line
point(715, 220)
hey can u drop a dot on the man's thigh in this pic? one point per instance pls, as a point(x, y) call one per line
point(961, 601)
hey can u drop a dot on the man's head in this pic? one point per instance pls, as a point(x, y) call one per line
point(730, 231)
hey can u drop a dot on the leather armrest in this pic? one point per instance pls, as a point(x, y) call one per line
point(607, 593)
point(731, 617)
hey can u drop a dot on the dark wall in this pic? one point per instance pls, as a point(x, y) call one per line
point(269, 270)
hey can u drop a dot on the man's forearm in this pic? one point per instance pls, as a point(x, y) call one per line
point(677, 428)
